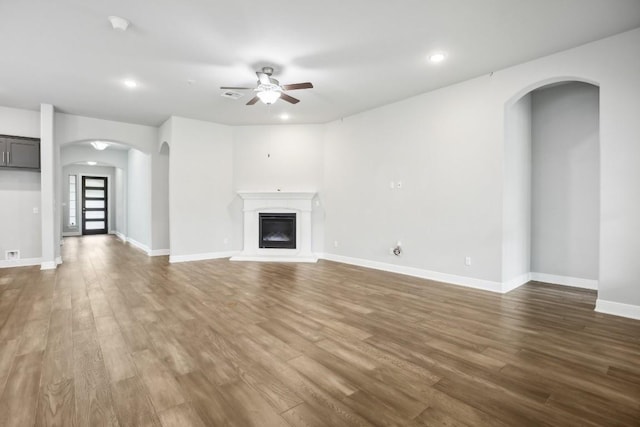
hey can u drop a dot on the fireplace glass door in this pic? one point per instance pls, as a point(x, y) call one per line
point(277, 230)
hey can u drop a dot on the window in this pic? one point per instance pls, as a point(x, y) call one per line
point(73, 219)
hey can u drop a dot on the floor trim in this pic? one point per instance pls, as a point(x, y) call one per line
point(574, 282)
point(618, 309)
point(159, 252)
point(26, 262)
point(48, 265)
point(201, 257)
point(469, 282)
point(138, 245)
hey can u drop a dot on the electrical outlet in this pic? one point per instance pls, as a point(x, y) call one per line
point(36, 210)
point(335, 243)
point(399, 185)
point(392, 185)
point(467, 260)
point(226, 240)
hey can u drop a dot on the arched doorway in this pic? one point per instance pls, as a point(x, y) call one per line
point(551, 185)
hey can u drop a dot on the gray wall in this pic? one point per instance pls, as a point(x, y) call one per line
point(565, 181)
point(20, 227)
point(139, 197)
point(160, 199)
point(516, 235)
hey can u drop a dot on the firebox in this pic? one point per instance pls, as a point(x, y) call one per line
point(277, 231)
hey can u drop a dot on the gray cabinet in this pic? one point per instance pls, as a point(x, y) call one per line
point(19, 152)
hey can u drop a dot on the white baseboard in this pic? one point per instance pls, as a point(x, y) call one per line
point(159, 252)
point(48, 265)
point(516, 282)
point(618, 309)
point(26, 262)
point(71, 234)
point(470, 282)
point(141, 246)
point(565, 280)
point(201, 257)
point(138, 245)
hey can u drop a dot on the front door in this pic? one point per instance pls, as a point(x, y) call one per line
point(94, 205)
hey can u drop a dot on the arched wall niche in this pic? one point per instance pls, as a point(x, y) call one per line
point(547, 82)
point(540, 121)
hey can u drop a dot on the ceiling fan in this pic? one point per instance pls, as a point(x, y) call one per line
point(269, 90)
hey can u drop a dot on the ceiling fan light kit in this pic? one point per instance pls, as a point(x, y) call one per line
point(269, 90)
point(268, 96)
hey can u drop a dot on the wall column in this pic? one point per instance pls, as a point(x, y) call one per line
point(47, 185)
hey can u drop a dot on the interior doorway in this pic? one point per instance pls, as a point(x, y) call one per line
point(95, 205)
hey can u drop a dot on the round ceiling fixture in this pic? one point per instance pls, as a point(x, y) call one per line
point(437, 57)
point(100, 145)
point(118, 23)
point(131, 84)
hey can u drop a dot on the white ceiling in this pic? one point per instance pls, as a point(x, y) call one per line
point(359, 54)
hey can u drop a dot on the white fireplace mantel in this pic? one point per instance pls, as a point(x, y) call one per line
point(255, 203)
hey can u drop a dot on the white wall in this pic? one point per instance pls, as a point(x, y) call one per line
point(160, 201)
point(516, 227)
point(445, 147)
point(86, 170)
point(289, 158)
point(201, 193)
point(20, 228)
point(70, 154)
point(566, 181)
point(71, 128)
point(120, 187)
point(139, 199)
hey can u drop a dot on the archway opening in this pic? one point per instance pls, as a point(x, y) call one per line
point(551, 183)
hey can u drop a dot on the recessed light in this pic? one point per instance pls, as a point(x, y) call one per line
point(130, 84)
point(118, 23)
point(92, 163)
point(437, 57)
point(284, 116)
point(100, 145)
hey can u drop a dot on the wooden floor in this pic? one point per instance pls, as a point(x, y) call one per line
point(113, 337)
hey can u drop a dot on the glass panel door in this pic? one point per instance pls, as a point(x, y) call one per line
point(94, 205)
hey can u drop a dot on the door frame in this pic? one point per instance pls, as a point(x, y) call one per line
point(107, 209)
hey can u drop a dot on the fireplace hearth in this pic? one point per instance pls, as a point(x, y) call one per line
point(277, 231)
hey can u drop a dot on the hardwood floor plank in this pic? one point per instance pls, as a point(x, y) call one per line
point(114, 337)
point(20, 397)
point(161, 384)
point(132, 404)
point(180, 416)
point(7, 354)
point(57, 404)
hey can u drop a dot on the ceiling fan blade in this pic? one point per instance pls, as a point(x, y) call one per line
point(264, 79)
point(295, 86)
point(253, 100)
point(288, 98)
point(235, 88)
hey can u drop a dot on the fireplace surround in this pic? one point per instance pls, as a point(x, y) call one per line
point(281, 207)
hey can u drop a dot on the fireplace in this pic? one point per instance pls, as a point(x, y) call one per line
point(277, 231)
point(290, 214)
